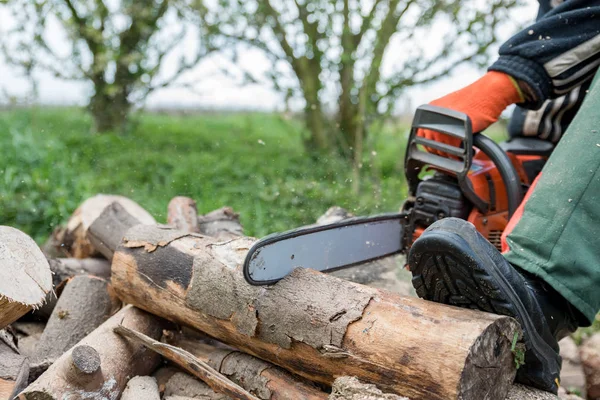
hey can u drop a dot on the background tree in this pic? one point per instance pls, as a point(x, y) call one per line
point(330, 53)
point(117, 46)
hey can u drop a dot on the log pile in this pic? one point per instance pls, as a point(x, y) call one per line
point(118, 306)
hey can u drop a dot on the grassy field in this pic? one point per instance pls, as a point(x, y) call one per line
point(254, 163)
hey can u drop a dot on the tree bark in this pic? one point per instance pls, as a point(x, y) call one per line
point(183, 386)
point(75, 242)
point(14, 367)
point(316, 325)
point(110, 113)
point(101, 363)
point(350, 388)
point(106, 231)
point(520, 392)
point(223, 223)
point(25, 277)
point(183, 214)
point(259, 377)
point(213, 378)
point(65, 268)
point(86, 302)
point(313, 112)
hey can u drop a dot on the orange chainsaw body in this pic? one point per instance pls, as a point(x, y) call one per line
point(488, 185)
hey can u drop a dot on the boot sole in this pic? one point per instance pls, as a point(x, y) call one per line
point(448, 269)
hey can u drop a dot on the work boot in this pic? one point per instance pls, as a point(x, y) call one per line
point(452, 263)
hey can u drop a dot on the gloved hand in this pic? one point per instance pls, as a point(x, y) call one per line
point(483, 101)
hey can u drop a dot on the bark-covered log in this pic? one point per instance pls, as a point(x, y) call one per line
point(213, 378)
point(183, 386)
point(101, 363)
point(183, 214)
point(316, 325)
point(259, 377)
point(223, 224)
point(54, 246)
point(141, 388)
point(520, 392)
point(25, 277)
point(350, 388)
point(75, 242)
point(63, 269)
point(163, 374)
point(86, 302)
point(14, 367)
point(107, 230)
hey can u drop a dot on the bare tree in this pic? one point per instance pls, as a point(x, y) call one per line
point(117, 46)
point(335, 49)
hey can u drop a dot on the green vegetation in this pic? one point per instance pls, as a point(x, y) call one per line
point(254, 163)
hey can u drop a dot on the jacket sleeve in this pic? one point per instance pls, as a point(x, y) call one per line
point(557, 53)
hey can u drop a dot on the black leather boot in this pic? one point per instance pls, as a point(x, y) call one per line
point(452, 263)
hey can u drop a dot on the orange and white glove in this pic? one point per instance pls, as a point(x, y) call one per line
point(483, 101)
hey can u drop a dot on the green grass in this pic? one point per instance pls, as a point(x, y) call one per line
point(254, 163)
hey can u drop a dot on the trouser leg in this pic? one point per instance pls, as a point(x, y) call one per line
point(558, 234)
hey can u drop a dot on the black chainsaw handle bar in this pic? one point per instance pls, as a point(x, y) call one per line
point(510, 177)
point(458, 125)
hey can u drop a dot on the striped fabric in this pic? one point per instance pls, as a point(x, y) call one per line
point(557, 57)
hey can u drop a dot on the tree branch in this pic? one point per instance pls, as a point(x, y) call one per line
point(279, 32)
point(366, 23)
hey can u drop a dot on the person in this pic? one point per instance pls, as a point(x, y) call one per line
point(549, 278)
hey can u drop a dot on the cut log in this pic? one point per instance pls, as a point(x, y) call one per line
point(184, 386)
point(63, 269)
point(102, 362)
point(162, 376)
point(86, 302)
point(316, 325)
point(223, 224)
point(259, 377)
point(191, 364)
point(25, 277)
point(350, 388)
point(141, 388)
point(54, 246)
point(590, 359)
point(183, 214)
point(563, 395)
point(520, 392)
point(14, 367)
point(28, 336)
point(107, 230)
point(75, 242)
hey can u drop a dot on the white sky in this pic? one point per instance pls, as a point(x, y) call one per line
point(219, 92)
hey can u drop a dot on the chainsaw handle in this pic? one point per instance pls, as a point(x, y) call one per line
point(457, 125)
point(510, 177)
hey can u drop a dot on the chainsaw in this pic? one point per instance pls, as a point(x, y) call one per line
point(480, 181)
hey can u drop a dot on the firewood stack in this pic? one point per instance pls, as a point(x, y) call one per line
point(119, 306)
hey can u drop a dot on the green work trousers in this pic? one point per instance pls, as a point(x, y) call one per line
point(558, 235)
